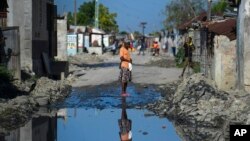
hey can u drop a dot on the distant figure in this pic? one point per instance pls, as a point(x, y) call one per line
point(156, 49)
point(170, 44)
point(114, 47)
point(143, 46)
point(125, 73)
point(2, 46)
point(174, 47)
point(125, 124)
point(189, 48)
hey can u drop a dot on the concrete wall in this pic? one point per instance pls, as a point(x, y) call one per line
point(224, 62)
point(12, 44)
point(36, 35)
point(26, 132)
point(20, 15)
point(62, 39)
point(243, 51)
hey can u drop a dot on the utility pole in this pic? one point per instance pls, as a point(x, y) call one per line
point(209, 10)
point(75, 17)
point(96, 14)
point(143, 27)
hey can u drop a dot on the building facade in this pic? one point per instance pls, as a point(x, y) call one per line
point(37, 24)
point(243, 50)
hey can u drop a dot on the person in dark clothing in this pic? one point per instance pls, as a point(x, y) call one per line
point(143, 46)
point(2, 50)
point(125, 124)
point(188, 48)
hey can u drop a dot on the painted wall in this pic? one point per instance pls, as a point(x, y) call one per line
point(243, 51)
point(225, 63)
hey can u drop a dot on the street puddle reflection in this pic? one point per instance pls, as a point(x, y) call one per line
point(125, 124)
point(81, 119)
point(99, 125)
point(79, 124)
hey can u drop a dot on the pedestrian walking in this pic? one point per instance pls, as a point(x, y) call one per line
point(189, 48)
point(174, 47)
point(143, 46)
point(156, 49)
point(125, 67)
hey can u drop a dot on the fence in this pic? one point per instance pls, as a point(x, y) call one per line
point(12, 50)
point(204, 51)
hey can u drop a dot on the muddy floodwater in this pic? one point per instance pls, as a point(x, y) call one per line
point(92, 114)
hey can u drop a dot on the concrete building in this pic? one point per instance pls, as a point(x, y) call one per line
point(3, 12)
point(37, 129)
point(215, 43)
point(243, 50)
point(224, 52)
point(62, 38)
point(35, 19)
point(225, 63)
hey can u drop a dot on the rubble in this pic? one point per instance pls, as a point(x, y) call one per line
point(16, 111)
point(200, 111)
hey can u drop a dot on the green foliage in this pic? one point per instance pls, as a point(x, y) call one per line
point(179, 60)
point(219, 7)
point(70, 18)
point(86, 17)
point(123, 33)
point(107, 19)
point(196, 67)
point(86, 14)
point(5, 75)
point(137, 34)
point(155, 34)
point(180, 56)
point(179, 11)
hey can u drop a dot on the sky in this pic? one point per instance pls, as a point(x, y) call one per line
point(130, 13)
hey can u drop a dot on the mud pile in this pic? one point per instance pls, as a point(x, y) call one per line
point(16, 111)
point(200, 111)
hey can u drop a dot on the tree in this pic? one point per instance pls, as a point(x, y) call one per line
point(86, 17)
point(219, 7)
point(179, 11)
point(107, 20)
point(123, 33)
point(70, 18)
point(86, 14)
point(137, 34)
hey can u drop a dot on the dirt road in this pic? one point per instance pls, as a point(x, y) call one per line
point(107, 71)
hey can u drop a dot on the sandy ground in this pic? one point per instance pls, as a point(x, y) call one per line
point(142, 74)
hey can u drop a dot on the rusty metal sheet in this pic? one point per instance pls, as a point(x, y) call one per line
point(188, 24)
point(223, 27)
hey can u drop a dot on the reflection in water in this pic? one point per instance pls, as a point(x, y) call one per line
point(83, 124)
point(125, 124)
point(43, 128)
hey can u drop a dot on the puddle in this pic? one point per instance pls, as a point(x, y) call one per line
point(108, 96)
point(92, 114)
point(99, 125)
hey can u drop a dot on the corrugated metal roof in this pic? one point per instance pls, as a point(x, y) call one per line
point(225, 27)
point(188, 24)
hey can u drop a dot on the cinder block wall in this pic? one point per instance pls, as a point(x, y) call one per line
point(31, 17)
point(20, 15)
point(62, 39)
point(243, 50)
point(225, 63)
